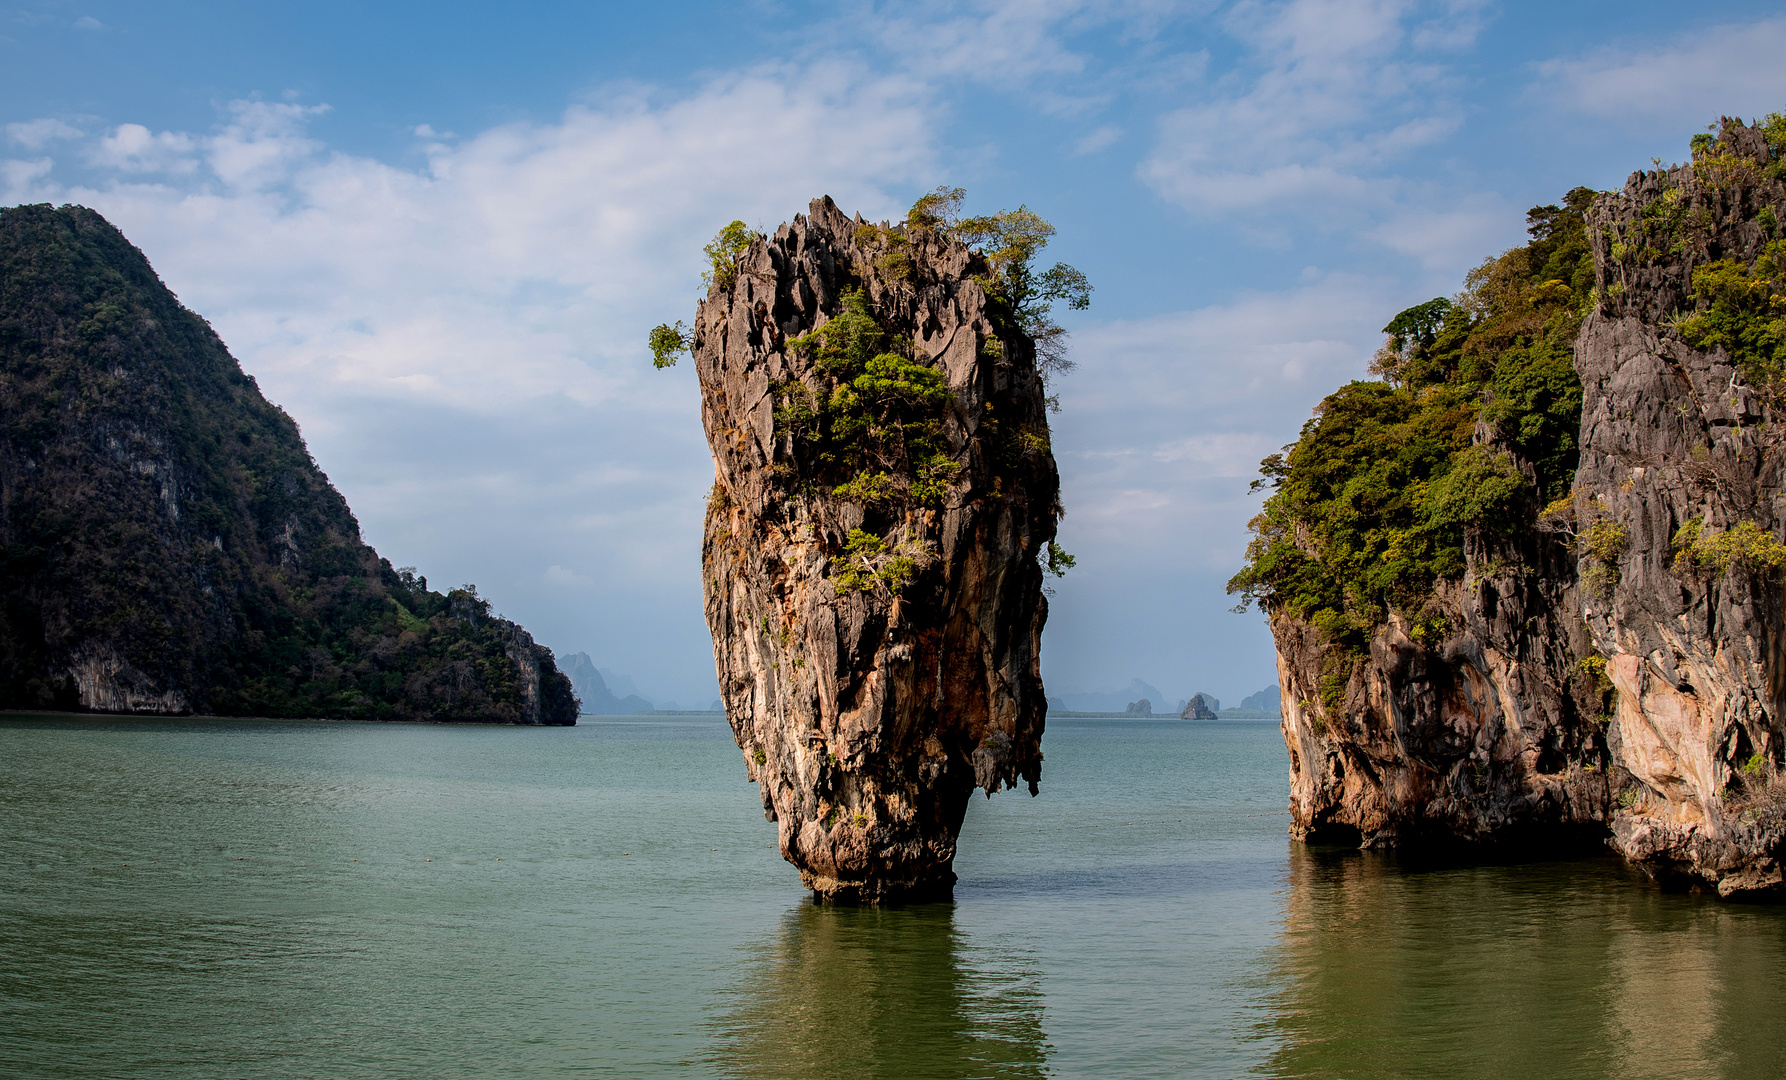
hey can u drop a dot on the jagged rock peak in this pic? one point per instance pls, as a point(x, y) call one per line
point(884, 486)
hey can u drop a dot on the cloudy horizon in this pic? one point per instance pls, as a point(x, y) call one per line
point(438, 243)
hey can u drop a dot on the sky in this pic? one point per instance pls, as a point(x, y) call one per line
point(437, 235)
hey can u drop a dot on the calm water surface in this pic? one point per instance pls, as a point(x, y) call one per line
point(272, 899)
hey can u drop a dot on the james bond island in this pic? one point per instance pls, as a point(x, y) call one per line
point(881, 519)
point(1527, 587)
point(168, 544)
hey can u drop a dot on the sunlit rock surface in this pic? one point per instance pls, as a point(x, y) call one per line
point(869, 716)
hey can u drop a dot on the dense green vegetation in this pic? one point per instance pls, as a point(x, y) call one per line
point(1370, 504)
point(875, 417)
point(1742, 309)
point(160, 520)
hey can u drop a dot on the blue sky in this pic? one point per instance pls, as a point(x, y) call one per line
point(437, 233)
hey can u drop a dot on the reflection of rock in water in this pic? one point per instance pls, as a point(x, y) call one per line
point(1529, 971)
point(865, 992)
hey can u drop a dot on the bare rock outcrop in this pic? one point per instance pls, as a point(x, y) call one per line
point(1487, 735)
point(883, 489)
point(1675, 436)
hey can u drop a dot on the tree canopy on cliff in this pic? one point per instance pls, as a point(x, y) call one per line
point(1370, 504)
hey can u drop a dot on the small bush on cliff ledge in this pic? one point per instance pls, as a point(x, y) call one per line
point(667, 342)
point(1745, 545)
point(722, 253)
point(1603, 543)
point(871, 564)
point(1742, 309)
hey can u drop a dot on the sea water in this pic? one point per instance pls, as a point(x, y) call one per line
point(198, 898)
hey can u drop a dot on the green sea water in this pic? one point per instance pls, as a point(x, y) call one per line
point(275, 899)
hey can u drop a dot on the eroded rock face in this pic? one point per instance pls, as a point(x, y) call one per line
point(1487, 735)
point(1671, 434)
point(868, 709)
point(1499, 731)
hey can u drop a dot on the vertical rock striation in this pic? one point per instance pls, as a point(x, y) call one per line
point(870, 566)
point(1485, 735)
point(1676, 436)
point(1617, 670)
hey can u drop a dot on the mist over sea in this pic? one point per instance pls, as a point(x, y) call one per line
point(294, 899)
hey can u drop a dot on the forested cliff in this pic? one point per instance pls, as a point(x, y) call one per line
point(167, 545)
point(1526, 586)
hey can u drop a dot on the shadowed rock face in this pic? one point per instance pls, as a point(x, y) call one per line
point(168, 544)
point(869, 710)
point(1486, 736)
point(1495, 733)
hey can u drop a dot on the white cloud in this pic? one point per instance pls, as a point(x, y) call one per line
point(88, 22)
point(1002, 41)
point(1334, 94)
point(1172, 413)
point(1455, 26)
point(37, 134)
point(133, 148)
point(1161, 432)
point(263, 144)
point(1021, 46)
point(518, 263)
point(1449, 238)
point(558, 575)
point(1731, 69)
point(23, 181)
point(463, 342)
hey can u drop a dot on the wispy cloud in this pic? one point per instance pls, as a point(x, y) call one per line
point(1730, 69)
point(1330, 96)
point(1101, 139)
point(37, 134)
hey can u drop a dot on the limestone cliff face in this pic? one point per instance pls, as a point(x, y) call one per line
point(1500, 730)
point(1671, 435)
point(1488, 734)
point(871, 697)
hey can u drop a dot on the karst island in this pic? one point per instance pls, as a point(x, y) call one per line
point(882, 517)
point(1526, 584)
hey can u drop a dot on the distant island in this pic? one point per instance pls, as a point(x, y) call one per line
point(599, 698)
point(1263, 705)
